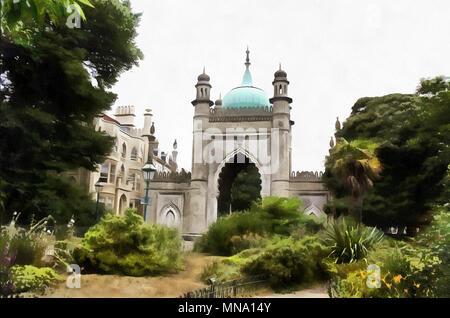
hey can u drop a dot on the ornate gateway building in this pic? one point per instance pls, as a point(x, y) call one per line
point(245, 128)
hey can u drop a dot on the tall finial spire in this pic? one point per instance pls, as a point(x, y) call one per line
point(247, 60)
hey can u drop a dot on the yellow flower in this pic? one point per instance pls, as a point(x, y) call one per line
point(398, 278)
point(405, 290)
point(417, 285)
point(384, 279)
point(362, 274)
point(388, 285)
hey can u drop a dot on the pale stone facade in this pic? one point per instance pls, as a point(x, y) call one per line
point(259, 130)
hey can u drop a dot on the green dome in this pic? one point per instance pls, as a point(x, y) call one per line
point(246, 95)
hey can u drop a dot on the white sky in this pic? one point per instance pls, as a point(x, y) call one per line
point(334, 52)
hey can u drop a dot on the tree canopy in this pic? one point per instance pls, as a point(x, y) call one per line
point(412, 131)
point(51, 92)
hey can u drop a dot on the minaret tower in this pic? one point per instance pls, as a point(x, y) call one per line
point(197, 198)
point(281, 124)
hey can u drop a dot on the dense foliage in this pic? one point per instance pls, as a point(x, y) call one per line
point(246, 188)
point(29, 278)
point(349, 242)
point(51, 91)
point(127, 245)
point(241, 230)
point(413, 136)
point(289, 262)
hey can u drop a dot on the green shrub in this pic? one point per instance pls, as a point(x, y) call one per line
point(289, 262)
point(350, 242)
point(126, 245)
point(28, 248)
point(32, 279)
point(241, 230)
point(400, 275)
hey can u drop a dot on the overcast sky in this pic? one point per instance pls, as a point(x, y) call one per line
point(334, 52)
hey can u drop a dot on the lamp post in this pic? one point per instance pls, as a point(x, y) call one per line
point(148, 170)
point(98, 189)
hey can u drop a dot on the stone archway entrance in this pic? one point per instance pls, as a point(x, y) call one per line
point(243, 166)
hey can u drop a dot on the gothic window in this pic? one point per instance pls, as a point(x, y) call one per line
point(112, 173)
point(104, 172)
point(124, 150)
point(133, 154)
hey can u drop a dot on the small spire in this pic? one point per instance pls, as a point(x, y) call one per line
point(204, 70)
point(337, 125)
point(152, 129)
point(175, 145)
point(280, 66)
point(247, 60)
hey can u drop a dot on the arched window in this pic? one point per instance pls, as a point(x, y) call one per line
point(112, 173)
point(124, 150)
point(133, 154)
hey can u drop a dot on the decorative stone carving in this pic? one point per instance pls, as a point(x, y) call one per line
point(307, 176)
point(240, 114)
point(177, 177)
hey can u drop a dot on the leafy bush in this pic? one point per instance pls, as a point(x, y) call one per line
point(401, 276)
point(350, 242)
point(289, 262)
point(126, 245)
point(27, 248)
point(222, 233)
point(32, 279)
point(241, 230)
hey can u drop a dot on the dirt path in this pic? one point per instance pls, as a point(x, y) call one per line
point(313, 292)
point(115, 286)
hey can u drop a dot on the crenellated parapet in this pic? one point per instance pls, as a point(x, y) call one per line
point(236, 114)
point(306, 176)
point(177, 177)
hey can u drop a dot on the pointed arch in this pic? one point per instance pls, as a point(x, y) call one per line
point(170, 215)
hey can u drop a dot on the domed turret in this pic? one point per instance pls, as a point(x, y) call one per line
point(218, 102)
point(246, 95)
point(280, 74)
point(203, 89)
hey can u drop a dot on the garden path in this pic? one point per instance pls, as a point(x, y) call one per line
point(115, 286)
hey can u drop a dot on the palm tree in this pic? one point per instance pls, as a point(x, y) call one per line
point(356, 166)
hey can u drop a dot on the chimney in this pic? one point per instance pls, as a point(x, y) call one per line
point(125, 116)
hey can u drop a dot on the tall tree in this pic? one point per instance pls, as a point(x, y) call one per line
point(246, 188)
point(413, 131)
point(355, 166)
point(51, 92)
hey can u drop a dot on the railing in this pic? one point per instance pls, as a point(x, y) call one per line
point(227, 289)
